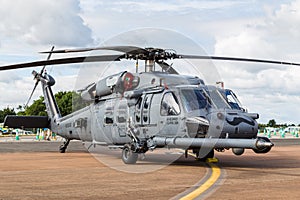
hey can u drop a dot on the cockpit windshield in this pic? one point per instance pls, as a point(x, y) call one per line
point(233, 100)
point(193, 99)
point(217, 98)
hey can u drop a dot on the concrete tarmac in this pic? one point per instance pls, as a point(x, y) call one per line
point(275, 175)
point(35, 170)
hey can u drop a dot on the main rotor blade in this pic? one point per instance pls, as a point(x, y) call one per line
point(124, 49)
point(60, 61)
point(237, 59)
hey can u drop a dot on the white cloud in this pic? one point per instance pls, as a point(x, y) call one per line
point(271, 89)
point(272, 36)
point(108, 18)
point(28, 27)
point(282, 108)
point(249, 43)
point(148, 7)
point(44, 22)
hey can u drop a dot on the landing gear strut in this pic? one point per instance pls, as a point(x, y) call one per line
point(63, 147)
point(131, 151)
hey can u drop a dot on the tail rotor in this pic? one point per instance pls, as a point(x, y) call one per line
point(36, 77)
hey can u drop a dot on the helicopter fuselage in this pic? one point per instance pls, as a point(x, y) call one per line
point(189, 112)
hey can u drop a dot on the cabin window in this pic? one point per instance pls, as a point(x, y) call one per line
point(121, 118)
point(138, 110)
point(146, 107)
point(169, 105)
point(108, 120)
point(122, 112)
point(139, 103)
point(146, 104)
point(109, 112)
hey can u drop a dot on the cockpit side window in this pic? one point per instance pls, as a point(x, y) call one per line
point(169, 105)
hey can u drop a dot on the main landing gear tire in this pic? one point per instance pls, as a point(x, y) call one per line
point(128, 156)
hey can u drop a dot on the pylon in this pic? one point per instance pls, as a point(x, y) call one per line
point(54, 136)
point(17, 137)
point(282, 134)
point(293, 133)
point(41, 137)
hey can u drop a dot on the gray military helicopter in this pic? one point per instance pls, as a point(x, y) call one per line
point(142, 111)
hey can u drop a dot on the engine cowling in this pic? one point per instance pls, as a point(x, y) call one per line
point(119, 83)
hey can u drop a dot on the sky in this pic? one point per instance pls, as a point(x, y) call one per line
point(243, 28)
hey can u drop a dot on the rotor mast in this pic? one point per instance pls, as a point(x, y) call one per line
point(149, 65)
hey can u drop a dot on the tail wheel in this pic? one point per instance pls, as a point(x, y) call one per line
point(62, 149)
point(128, 156)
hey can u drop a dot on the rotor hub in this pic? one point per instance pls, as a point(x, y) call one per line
point(154, 54)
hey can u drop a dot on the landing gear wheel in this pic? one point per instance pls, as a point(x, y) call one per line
point(128, 156)
point(63, 147)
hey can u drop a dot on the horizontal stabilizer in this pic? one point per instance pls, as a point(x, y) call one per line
point(13, 121)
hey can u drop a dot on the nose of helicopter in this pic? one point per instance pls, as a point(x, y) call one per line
point(240, 125)
point(232, 124)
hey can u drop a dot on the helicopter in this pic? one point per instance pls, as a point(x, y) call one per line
point(155, 108)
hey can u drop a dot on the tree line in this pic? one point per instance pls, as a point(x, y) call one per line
point(273, 123)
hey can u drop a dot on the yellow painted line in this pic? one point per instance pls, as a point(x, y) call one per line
point(216, 172)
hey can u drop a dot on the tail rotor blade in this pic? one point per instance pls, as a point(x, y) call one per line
point(36, 83)
point(48, 58)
